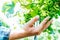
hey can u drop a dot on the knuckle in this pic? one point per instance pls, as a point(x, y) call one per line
point(37, 32)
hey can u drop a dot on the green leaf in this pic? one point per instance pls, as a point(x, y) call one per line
point(8, 8)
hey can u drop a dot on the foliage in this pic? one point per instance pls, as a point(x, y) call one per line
point(43, 8)
point(8, 7)
point(2, 23)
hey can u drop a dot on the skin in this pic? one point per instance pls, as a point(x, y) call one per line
point(29, 29)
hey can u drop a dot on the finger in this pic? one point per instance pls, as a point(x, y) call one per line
point(44, 21)
point(32, 21)
point(47, 25)
point(44, 27)
point(42, 24)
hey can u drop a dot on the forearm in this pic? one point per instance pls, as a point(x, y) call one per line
point(17, 34)
point(20, 34)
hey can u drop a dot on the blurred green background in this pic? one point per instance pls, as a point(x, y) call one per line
point(15, 13)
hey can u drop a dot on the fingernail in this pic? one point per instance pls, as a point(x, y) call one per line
point(48, 16)
point(51, 19)
point(37, 16)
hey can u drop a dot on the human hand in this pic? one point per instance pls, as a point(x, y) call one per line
point(31, 30)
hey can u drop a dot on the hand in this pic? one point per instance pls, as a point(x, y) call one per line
point(31, 30)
